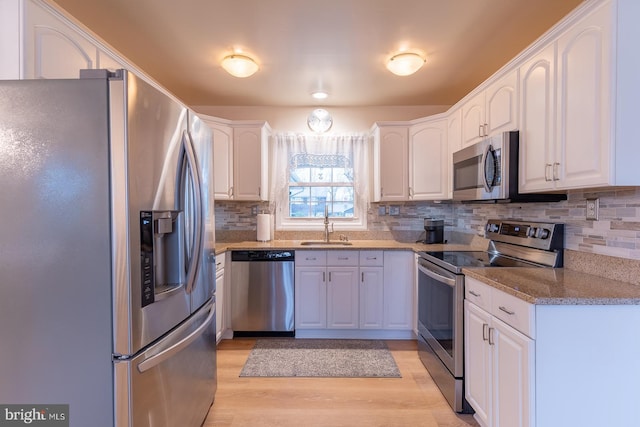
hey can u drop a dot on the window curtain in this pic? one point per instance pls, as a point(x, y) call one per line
point(287, 145)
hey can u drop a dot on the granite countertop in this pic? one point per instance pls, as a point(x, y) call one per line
point(355, 245)
point(557, 286)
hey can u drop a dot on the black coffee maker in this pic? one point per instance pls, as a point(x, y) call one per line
point(434, 231)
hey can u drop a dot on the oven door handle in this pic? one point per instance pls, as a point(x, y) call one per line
point(436, 276)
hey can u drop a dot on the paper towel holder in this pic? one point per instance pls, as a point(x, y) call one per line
point(263, 228)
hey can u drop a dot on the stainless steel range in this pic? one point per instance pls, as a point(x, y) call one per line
point(441, 293)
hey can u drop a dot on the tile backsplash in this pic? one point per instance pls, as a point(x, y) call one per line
point(615, 233)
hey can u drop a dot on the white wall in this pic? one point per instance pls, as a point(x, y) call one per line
point(345, 119)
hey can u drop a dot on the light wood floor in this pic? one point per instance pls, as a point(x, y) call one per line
point(413, 400)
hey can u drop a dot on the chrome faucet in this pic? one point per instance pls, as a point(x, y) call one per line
point(326, 224)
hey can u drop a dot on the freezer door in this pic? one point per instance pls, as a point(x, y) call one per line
point(201, 137)
point(173, 382)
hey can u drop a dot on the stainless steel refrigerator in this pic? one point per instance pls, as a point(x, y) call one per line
point(107, 262)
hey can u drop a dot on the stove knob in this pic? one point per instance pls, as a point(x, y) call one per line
point(543, 233)
point(531, 232)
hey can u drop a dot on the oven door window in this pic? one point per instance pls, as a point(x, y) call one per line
point(436, 311)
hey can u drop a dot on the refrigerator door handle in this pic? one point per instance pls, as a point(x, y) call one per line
point(192, 168)
point(156, 359)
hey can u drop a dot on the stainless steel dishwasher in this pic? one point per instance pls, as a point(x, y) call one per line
point(262, 287)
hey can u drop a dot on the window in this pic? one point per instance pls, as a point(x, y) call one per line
point(318, 182)
point(312, 173)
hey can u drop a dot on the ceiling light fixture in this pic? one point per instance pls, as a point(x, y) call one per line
point(320, 94)
point(239, 65)
point(405, 63)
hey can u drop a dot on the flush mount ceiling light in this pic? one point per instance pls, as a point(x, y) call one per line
point(405, 63)
point(239, 65)
point(320, 94)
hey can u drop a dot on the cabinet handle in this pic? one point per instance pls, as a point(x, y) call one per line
point(546, 172)
point(372, 258)
point(491, 340)
point(329, 276)
point(343, 258)
point(324, 277)
point(486, 129)
point(474, 294)
point(410, 192)
point(381, 192)
point(231, 191)
point(362, 276)
point(310, 259)
point(259, 191)
point(506, 310)
point(480, 130)
point(555, 171)
point(485, 332)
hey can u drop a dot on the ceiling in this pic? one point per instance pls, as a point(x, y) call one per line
point(303, 45)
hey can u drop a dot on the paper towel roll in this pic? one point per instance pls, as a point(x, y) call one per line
point(264, 227)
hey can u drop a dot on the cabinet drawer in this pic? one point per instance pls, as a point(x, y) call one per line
point(478, 293)
point(220, 260)
point(342, 258)
point(515, 312)
point(311, 258)
point(371, 259)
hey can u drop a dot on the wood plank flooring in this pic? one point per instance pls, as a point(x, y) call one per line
point(413, 400)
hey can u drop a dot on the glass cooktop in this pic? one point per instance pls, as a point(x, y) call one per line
point(456, 260)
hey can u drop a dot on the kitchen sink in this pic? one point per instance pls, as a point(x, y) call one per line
point(323, 243)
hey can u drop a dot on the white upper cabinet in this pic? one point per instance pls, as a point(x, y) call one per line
point(52, 49)
point(566, 138)
point(222, 157)
point(492, 110)
point(251, 160)
point(428, 161)
point(454, 142)
point(390, 171)
point(537, 114)
point(583, 134)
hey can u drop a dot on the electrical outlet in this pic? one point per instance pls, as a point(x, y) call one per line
point(382, 210)
point(254, 210)
point(592, 209)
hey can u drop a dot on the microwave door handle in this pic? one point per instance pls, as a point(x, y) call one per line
point(436, 276)
point(487, 153)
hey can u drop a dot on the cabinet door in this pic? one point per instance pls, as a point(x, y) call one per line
point(342, 298)
point(473, 120)
point(54, 50)
point(537, 112)
point(454, 142)
point(371, 297)
point(583, 110)
point(394, 164)
point(428, 161)
point(247, 163)
point(311, 298)
point(477, 361)
point(219, 304)
point(501, 112)
point(513, 373)
point(399, 301)
point(222, 161)
point(10, 44)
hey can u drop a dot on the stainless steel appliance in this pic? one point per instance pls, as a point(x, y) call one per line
point(441, 293)
point(488, 171)
point(262, 293)
point(434, 231)
point(108, 267)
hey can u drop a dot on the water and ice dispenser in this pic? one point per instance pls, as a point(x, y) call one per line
point(162, 254)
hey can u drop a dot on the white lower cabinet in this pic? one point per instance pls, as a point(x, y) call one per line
point(354, 293)
point(549, 365)
point(499, 360)
point(220, 297)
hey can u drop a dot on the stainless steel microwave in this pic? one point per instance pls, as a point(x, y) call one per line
point(487, 170)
